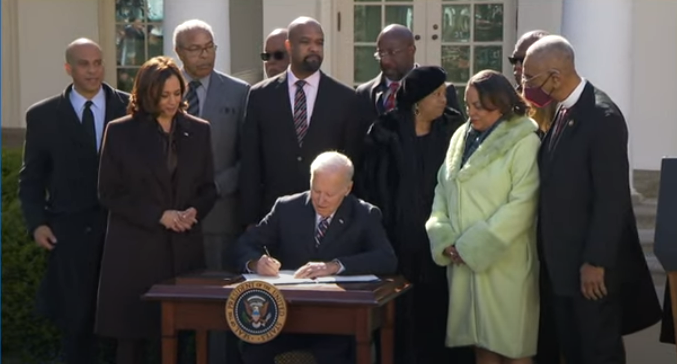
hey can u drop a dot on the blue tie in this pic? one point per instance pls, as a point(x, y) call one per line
point(192, 99)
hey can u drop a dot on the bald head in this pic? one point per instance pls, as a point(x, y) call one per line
point(84, 63)
point(397, 32)
point(550, 66)
point(77, 46)
point(301, 25)
point(396, 51)
point(553, 52)
point(275, 58)
point(305, 45)
point(520, 51)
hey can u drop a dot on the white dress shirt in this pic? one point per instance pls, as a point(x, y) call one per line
point(310, 89)
point(98, 109)
point(572, 99)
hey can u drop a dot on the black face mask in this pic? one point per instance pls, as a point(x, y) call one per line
point(278, 55)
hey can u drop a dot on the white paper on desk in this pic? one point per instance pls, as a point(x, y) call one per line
point(287, 277)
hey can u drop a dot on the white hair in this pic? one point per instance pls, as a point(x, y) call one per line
point(333, 162)
point(190, 25)
point(552, 45)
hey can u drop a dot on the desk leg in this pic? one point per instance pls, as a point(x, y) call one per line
point(363, 336)
point(388, 334)
point(169, 340)
point(201, 344)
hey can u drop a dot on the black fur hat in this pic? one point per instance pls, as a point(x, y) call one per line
point(419, 83)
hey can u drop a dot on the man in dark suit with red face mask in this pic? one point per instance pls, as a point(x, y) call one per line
point(587, 235)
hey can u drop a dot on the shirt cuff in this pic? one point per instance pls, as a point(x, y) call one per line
point(341, 267)
point(246, 268)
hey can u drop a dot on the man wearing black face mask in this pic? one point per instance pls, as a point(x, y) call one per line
point(292, 118)
point(395, 52)
point(601, 287)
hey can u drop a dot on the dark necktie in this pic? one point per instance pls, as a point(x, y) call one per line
point(321, 231)
point(560, 120)
point(192, 99)
point(300, 113)
point(88, 122)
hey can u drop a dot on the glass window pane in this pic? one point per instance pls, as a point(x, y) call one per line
point(130, 10)
point(401, 1)
point(460, 94)
point(456, 61)
point(155, 41)
point(126, 78)
point(456, 23)
point(489, 23)
point(131, 48)
point(367, 23)
point(488, 57)
point(155, 11)
point(402, 14)
point(365, 66)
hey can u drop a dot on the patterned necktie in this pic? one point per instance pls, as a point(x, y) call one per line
point(192, 99)
point(557, 127)
point(321, 231)
point(88, 122)
point(390, 101)
point(300, 113)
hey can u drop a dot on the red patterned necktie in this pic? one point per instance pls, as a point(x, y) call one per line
point(390, 101)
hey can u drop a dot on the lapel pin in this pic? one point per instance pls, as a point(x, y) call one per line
point(340, 221)
point(571, 123)
point(185, 133)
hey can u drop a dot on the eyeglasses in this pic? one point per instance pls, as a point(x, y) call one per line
point(197, 51)
point(389, 53)
point(277, 55)
point(514, 60)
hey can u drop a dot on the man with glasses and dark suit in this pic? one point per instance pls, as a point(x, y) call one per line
point(395, 52)
point(222, 100)
point(274, 57)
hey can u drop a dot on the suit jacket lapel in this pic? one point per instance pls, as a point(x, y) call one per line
point(283, 104)
point(182, 138)
point(147, 141)
point(338, 224)
point(549, 155)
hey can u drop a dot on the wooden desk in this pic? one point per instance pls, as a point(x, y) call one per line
point(197, 302)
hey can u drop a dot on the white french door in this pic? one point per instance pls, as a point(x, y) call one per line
point(464, 37)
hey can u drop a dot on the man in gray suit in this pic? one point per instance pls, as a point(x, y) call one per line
point(221, 100)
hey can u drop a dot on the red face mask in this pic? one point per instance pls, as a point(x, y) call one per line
point(537, 96)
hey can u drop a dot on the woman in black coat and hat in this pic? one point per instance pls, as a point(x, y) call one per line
point(404, 149)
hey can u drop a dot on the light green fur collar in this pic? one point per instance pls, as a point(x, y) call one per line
point(504, 137)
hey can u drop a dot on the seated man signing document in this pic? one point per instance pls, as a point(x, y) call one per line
point(322, 232)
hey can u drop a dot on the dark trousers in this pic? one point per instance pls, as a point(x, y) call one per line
point(79, 348)
point(327, 349)
point(589, 331)
point(548, 345)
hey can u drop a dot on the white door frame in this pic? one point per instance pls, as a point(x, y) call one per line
point(426, 14)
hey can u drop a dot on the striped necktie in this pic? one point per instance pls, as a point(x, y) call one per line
point(300, 112)
point(321, 231)
point(192, 99)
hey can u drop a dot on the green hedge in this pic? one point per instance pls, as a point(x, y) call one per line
point(25, 337)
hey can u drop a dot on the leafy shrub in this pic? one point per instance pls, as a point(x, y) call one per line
point(25, 336)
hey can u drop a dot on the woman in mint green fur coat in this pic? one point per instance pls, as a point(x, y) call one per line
point(483, 225)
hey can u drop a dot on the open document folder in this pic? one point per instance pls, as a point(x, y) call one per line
point(287, 277)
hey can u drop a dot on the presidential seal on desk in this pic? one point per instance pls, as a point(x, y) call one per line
point(256, 311)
